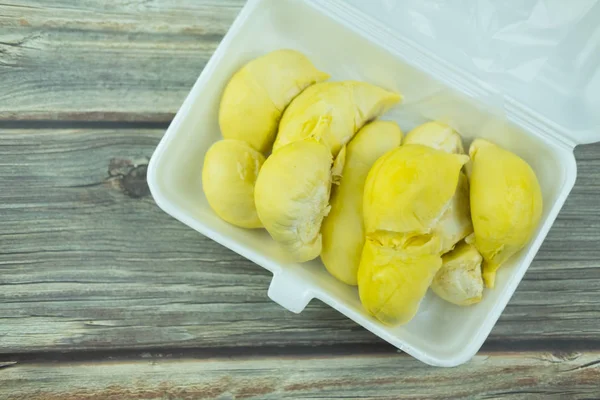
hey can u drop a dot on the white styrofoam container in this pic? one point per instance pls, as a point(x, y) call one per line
point(451, 64)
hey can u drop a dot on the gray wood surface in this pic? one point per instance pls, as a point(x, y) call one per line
point(141, 56)
point(102, 295)
point(523, 376)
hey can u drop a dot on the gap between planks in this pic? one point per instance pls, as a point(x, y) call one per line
point(559, 349)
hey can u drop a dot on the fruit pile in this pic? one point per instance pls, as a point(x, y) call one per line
point(309, 161)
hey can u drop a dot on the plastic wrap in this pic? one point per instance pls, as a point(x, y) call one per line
point(543, 55)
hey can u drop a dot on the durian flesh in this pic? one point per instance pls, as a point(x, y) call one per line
point(256, 95)
point(506, 204)
point(406, 192)
point(455, 223)
point(459, 280)
point(392, 283)
point(342, 107)
point(408, 188)
point(437, 135)
point(342, 230)
point(228, 177)
point(292, 197)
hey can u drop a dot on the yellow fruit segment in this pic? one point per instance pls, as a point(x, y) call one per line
point(407, 192)
point(256, 96)
point(455, 223)
point(506, 204)
point(459, 281)
point(437, 135)
point(407, 189)
point(342, 230)
point(292, 197)
point(392, 284)
point(342, 107)
point(228, 177)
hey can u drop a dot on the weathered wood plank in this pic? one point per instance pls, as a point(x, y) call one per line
point(515, 376)
point(131, 60)
point(88, 261)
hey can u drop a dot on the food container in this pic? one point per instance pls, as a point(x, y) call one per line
point(522, 74)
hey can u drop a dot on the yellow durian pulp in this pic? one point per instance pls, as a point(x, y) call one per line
point(228, 177)
point(342, 107)
point(408, 188)
point(455, 223)
point(257, 94)
point(459, 280)
point(292, 197)
point(342, 230)
point(392, 282)
point(506, 204)
point(407, 192)
point(437, 135)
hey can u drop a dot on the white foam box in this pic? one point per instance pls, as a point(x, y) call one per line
point(529, 84)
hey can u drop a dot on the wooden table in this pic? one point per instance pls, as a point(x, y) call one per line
point(103, 296)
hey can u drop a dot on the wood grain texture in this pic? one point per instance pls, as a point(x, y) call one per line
point(515, 376)
point(123, 60)
point(88, 261)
